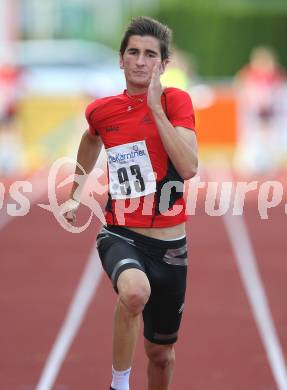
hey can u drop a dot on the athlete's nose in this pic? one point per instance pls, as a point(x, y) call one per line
point(140, 60)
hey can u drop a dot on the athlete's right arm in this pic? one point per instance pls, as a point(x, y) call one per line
point(88, 153)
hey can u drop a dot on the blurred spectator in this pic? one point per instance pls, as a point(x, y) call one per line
point(261, 113)
point(10, 145)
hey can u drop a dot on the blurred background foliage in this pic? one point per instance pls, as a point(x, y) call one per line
point(220, 33)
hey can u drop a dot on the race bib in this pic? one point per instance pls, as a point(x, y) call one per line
point(130, 171)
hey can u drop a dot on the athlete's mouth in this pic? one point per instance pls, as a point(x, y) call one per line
point(139, 73)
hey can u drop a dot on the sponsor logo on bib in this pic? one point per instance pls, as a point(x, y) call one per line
point(130, 171)
point(121, 157)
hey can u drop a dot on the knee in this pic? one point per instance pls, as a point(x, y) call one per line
point(134, 291)
point(135, 298)
point(161, 356)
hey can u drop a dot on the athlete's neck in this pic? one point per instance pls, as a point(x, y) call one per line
point(134, 90)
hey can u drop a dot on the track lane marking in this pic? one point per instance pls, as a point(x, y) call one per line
point(81, 300)
point(80, 303)
point(246, 261)
point(247, 265)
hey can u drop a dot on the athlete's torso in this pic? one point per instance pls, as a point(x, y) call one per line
point(139, 167)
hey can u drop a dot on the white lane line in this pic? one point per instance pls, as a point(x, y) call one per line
point(86, 290)
point(247, 265)
point(75, 315)
point(246, 261)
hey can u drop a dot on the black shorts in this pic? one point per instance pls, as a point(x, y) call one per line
point(165, 265)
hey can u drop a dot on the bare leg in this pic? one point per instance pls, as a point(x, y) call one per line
point(126, 327)
point(160, 365)
point(134, 291)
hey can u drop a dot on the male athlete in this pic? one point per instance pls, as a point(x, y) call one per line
point(148, 134)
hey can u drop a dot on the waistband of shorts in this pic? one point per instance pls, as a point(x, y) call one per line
point(141, 238)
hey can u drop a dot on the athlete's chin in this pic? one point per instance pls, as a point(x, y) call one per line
point(141, 84)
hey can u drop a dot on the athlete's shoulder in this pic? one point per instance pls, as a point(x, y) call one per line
point(179, 108)
point(101, 104)
point(173, 92)
point(176, 97)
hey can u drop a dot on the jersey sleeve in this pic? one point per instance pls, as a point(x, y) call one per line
point(91, 120)
point(179, 109)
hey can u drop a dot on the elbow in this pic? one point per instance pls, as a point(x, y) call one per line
point(189, 173)
point(88, 138)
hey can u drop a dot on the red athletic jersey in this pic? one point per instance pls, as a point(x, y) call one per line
point(140, 171)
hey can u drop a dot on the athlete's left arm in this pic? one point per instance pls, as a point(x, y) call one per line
point(179, 142)
point(180, 145)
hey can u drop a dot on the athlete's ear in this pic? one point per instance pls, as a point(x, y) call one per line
point(121, 61)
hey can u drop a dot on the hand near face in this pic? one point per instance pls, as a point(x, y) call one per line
point(155, 88)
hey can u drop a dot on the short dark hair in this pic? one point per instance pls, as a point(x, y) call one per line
point(143, 25)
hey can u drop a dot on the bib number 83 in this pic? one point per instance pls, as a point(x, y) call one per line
point(124, 180)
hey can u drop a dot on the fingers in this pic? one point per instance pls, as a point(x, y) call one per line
point(157, 68)
point(155, 78)
point(160, 67)
point(155, 89)
point(69, 210)
point(70, 217)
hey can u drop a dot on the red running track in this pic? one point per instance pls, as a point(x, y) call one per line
point(219, 347)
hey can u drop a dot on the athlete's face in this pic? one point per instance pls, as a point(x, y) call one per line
point(139, 59)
